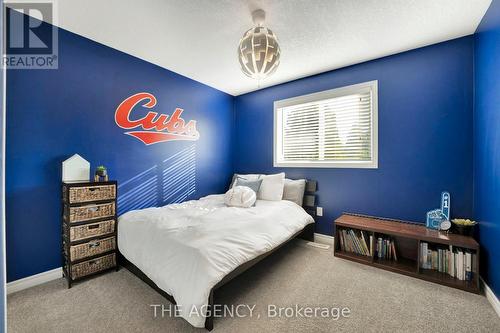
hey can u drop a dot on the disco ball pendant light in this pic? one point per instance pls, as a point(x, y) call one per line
point(259, 52)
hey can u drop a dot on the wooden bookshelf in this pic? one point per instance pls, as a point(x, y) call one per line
point(408, 237)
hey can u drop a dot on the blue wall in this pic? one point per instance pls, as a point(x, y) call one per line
point(53, 114)
point(425, 135)
point(487, 143)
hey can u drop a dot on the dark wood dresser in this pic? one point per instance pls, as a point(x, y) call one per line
point(89, 221)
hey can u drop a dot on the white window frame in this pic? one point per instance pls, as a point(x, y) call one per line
point(327, 94)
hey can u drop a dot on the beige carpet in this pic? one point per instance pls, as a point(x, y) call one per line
point(379, 301)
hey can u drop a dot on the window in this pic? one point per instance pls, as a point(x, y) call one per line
point(331, 129)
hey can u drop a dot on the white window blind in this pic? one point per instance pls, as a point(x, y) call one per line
point(334, 128)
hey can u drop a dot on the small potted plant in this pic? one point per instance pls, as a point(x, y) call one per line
point(101, 174)
point(101, 171)
point(464, 226)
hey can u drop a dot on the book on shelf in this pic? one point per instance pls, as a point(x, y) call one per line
point(460, 265)
point(423, 256)
point(365, 247)
point(457, 262)
point(386, 249)
point(359, 242)
point(394, 251)
point(468, 268)
point(355, 241)
point(452, 262)
point(379, 246)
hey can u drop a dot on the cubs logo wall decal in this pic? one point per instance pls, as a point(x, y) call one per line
point(154, 127)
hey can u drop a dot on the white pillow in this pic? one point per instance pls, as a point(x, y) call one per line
point(240, 196)
point(250, 176)
point(294, 190)
point(271, 187)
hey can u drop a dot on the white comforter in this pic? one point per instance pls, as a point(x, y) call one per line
point(187, 248)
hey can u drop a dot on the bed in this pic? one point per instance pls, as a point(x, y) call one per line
point(187, 251)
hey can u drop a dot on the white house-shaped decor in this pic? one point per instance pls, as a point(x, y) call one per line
point(75, 169)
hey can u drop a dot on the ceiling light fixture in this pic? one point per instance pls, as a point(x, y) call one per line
point(259, 51)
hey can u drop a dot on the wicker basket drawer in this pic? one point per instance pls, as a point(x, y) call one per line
point(91, 212)
point(92, 248)
point(93, 266)
point(90, 230)
point(81, 194)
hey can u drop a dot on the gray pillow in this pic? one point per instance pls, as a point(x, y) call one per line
point(294, 190)
point(253, 184)
point(250, 176)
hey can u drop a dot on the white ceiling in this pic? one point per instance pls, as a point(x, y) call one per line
point(199, 38)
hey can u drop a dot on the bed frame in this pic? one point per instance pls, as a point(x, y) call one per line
point(307, 234)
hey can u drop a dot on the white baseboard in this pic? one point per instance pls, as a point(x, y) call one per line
point(491, 297)
point(34, 280)
point(323, 239)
